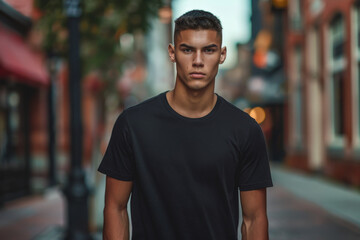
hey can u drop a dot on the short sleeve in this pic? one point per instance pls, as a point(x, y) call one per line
point(254, 172)
point(118, 159)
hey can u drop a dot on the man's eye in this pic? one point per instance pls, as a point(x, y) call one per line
point(187, 50)
point(209, 50)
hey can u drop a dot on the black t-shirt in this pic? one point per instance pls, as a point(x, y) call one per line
point(186, 171)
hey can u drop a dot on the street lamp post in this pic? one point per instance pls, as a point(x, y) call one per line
point(53, 60)
point(76, 190)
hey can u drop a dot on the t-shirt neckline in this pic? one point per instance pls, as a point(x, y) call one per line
point(207, 116)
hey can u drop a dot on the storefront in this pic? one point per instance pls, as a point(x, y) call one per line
point(23, 78)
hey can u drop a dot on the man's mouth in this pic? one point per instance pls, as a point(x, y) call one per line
point(197, 74)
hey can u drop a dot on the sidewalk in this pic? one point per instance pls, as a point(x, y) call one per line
point(337, 199)
point(26, 218)
point(306, 207)
point(36, 218)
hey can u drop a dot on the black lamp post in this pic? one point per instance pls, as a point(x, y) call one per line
point(53, 63)
point(76, 190)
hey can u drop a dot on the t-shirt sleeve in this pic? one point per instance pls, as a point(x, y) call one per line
point(254, 165)
point(118, 159)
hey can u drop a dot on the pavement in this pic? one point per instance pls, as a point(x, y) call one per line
point(309, 207)
point(300, 207)
point(30, 216)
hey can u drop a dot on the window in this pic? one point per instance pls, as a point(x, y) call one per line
point(297, 100)
point(338, 109)
point(357, 35)
point(337, 70)
point(356, 72)
point(295, 14)
point(10, 129)
point(2, 123)
point(357, 24)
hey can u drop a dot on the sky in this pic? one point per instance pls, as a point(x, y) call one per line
point(233, 14)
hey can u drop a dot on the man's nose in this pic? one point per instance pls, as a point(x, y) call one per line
point(198, 59)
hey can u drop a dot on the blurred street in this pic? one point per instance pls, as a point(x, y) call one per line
point(293, 214)
point(292, 65)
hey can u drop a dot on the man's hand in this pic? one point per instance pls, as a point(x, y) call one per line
point(116, 221)
point(255, 222)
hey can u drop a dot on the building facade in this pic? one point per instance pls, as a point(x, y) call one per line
point(322, 62)
point(265, 85)
point(24, 85)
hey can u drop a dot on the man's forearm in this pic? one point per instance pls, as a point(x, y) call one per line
point(116, 224)
point(255, 229)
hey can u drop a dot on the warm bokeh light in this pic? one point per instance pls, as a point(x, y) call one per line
point(258, 114)
point(279, 3)
point(260, 59)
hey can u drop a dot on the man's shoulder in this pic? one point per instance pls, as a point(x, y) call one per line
point(230, 111)
point(150, 102)
point(145, 106)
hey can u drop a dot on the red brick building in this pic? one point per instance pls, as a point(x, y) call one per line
point(26, 114)
point(24, 82)
point(322, 57)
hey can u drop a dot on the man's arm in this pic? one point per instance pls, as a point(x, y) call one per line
point(116, 221)
point(255, 222)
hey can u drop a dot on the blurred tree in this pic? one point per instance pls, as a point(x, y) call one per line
point(102, 24)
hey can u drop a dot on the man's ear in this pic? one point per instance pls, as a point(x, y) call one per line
point(222, 55)
point(171, 51)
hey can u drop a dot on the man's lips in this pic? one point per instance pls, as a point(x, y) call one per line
point(197, 74)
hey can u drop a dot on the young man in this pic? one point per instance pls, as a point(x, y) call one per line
point(184, 154)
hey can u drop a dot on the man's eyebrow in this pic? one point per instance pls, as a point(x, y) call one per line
point(188, 46)
point(185, 45)
point(211, 46)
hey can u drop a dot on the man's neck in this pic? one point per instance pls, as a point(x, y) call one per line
point(191, 103)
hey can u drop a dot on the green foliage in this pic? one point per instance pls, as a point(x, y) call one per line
point(102, 23)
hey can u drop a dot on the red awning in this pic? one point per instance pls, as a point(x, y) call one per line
point(18, 60)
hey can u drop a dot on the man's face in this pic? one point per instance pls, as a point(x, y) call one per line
point(197, 54)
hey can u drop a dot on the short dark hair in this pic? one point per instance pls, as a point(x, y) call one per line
point(196, 20)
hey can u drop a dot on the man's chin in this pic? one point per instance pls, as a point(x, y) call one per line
point(196, 84)
point(199, 87)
